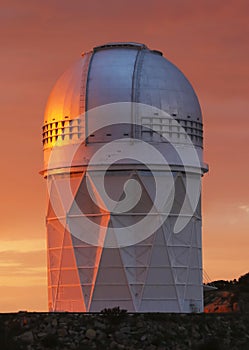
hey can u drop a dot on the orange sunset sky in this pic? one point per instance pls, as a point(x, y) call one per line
point(207, 40)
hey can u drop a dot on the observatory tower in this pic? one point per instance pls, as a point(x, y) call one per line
point(122, 141)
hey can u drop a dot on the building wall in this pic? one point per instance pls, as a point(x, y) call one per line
point(161, 273)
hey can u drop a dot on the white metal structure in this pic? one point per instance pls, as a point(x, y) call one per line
point(163, 271)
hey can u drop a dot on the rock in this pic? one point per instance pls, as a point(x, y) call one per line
point(101, 335)
point(113, 344)
point(99, 325)
point(181, 329)
point(120, 337)
point(26, 337)
point(125, 329)
point(195, 332)
point(41, 335)
point(120, 346)
point(54, 322)
point(151, 347)
point(62, 332)
point(140, 324)
point(90, 333)
point(50, 340)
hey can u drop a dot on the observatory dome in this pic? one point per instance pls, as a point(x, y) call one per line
point(123, 160)
point(123, 72)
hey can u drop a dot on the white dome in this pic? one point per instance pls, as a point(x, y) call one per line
point(123, 72)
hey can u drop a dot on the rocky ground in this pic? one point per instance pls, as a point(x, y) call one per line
point(115, 329)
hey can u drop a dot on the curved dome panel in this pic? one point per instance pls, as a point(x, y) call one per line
point(64, 98)
point(110, 76)
point(164, 86)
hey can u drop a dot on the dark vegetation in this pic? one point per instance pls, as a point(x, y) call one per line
point(242, 284)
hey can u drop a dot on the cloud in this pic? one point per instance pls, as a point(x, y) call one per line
point(22, 263)
point(245, 208)
point(30, 298)
point(24, 245)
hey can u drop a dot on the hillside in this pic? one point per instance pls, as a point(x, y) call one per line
point(230, 296)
